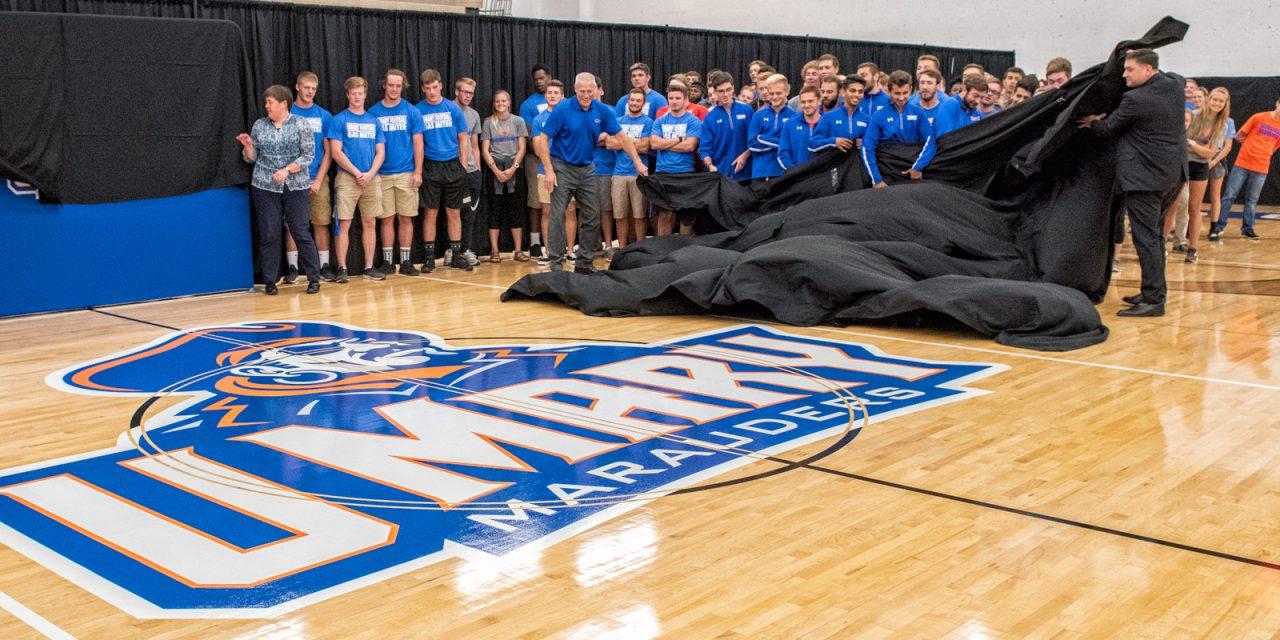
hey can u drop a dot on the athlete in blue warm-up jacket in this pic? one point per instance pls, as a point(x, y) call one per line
point(927, 96)
point(793, 146)
point(962, 110)
point(723, 145)
point(874, 98)
point(898, 122)
point(840, 127)
point(765, 132)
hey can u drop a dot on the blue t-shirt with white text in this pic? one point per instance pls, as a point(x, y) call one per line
point(360, 136)
point(399, 124)
point(636, 128)
point(442, 124)
point(671, 127)
point(317, 119)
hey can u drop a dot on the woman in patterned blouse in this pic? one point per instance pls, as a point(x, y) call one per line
point(281, 147)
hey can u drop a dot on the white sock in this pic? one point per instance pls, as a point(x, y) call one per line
point(535, 238)
point(404, 254)
point(293, 258)
point(386, 255)
point(324, 257)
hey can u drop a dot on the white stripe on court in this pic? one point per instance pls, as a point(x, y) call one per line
point(33, 619)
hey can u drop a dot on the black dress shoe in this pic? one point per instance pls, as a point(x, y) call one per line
point(271, 289)
point(1133, 299)
point(1142, 310)
point(313, 286)
point(584, 270)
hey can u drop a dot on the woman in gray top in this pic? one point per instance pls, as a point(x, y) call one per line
point(502, 145)
point(281, 148)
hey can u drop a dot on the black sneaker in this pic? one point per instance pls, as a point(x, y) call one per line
point(459, 261)
point(1180, 247)
point(1215, 234)
point(1192, 256)
point(429, 265)
point(340, 276)
point(374, 273)
point(291, 275)
point(407, 268)
point(1250, 234)
point(313, 286)
point(326, 272)
point(271, 289)
point(535, 251)
point(585, 270)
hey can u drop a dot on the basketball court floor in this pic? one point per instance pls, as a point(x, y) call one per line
point(415, 459)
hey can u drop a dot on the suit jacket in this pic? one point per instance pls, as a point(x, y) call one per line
point(1150, 133)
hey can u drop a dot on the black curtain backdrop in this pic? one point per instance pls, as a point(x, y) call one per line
point(1250, 96)
point(285, 39)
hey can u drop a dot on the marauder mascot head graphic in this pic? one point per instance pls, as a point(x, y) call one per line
point(269, 465)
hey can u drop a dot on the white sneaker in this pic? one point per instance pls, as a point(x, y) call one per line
point(471, 257)
point(448, 256)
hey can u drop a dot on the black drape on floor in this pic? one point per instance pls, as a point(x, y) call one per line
point(104, 109)
point(1009, 234)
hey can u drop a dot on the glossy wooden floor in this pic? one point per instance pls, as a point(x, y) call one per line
point(1166, 432)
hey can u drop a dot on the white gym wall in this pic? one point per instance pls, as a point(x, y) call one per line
point(1227, 37)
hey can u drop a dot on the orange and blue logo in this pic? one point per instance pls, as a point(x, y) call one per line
point(271, 465)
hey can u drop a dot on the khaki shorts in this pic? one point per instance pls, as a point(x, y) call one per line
point(398, 195)
point(626, 197)
point(322, 204)
point(533, 199)
point(350, 194)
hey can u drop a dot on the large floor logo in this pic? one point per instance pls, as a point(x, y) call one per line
point(272, 465)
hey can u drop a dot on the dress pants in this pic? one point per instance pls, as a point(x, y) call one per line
point(274, 210)
point(1145, 222)
point(574, 181)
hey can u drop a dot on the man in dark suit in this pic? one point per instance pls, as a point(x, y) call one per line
point(1151, 152)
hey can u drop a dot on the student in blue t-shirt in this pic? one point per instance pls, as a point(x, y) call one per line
point(765, 131)
point(898, 122)
point(640, 76)
point(317, 119)
point(358, 147)
point(401, 171)
point(723, 145)
point(532, 107)
point(605, 161)
point(628, 202)
point(843, 127)
point(793, 146)
point(446, 142)
point(675, 137)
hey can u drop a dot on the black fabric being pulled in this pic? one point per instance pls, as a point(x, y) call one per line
point(1009, 233)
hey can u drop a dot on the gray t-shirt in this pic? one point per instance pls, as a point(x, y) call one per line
point(473, 128)
point(504, 137)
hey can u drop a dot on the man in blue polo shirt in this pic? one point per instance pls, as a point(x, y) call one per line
point(447, 144)
point(898, 122)
point(842, 127)
point(765, 131)
point(566, 147)
point(358, 146)
point(532, 107)
point(640, 77)
point(793, 146)
point(723, 145)
point(963, 110)
point(628, 202)
point(317, 119)
point(401, 172)
point(675, 137)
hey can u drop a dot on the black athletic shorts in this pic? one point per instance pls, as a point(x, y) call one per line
point(1197, 171)
point(447, 179)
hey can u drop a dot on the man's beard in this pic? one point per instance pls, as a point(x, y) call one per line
point(829, 105)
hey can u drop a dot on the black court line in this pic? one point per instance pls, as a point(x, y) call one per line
point(806, 464)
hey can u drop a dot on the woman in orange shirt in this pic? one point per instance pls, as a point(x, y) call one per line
point(1259, 138)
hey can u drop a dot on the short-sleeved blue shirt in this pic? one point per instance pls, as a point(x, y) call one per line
point(442, 123)
point(670, 127)
point(572, 131)
point(636, 128)
point(399, 124)
point(360, 136)
point(317, 120)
